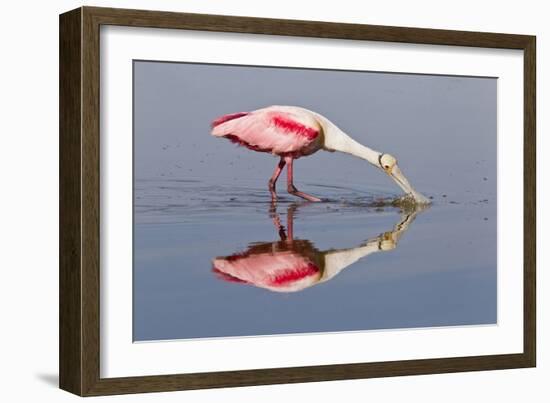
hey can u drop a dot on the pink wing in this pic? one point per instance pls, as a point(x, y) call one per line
point(267, 130)
point(282, 271)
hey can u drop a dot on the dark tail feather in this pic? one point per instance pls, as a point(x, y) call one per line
point(225, 118)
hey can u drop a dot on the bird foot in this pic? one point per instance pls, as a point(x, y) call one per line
point(293, 191)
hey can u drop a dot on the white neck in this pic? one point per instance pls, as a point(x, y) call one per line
point(336, 140)
point(338, 260)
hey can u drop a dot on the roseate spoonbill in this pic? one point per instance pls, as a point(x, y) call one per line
point(292, 132)
point(291, 265)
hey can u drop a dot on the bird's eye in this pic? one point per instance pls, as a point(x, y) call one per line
point(386, 166)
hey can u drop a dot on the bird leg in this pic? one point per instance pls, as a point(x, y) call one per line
point(274, 177)
point(290, 185)
point(290, 221)
point(277, 220)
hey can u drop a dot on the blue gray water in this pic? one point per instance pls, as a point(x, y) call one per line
point(197, 198)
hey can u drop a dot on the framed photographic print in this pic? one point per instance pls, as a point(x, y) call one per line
point(249, 201)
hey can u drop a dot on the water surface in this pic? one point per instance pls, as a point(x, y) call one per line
point(428, 268)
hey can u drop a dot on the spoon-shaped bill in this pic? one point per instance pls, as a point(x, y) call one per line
point(404, 184)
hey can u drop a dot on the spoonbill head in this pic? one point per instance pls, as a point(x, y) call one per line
point(388, 163)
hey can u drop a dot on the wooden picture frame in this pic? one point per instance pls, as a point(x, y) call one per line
point(79, 201)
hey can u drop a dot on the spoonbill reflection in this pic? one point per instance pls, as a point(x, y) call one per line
point(291, 264)
point(292, 132)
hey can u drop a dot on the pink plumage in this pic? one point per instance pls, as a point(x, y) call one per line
point(274, 130)
point(283, 271)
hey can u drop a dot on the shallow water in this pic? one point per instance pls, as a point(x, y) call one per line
point(218, 260)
